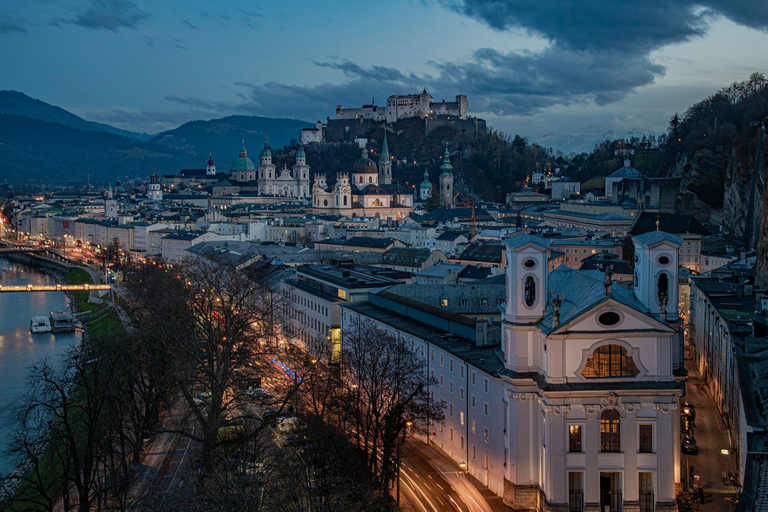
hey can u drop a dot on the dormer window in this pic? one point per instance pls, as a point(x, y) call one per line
point(444, 302)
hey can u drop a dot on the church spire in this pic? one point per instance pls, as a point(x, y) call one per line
point(385, 147)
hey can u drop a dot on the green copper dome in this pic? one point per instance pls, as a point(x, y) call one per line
point(300, 153)
point(266, 152)
point(446, 167)
point(426, 184)
point(365, 165)
point(242, 162)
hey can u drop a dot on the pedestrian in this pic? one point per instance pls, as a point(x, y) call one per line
point(700, 494)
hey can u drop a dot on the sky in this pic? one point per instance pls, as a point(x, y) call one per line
point(529, 67)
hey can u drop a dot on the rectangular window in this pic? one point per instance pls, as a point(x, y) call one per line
point(485, 385)
point(574, 438)
point(463, 302)
point(441, 359)
point(461, 393)
point(474, 451)
point(450, 365)
point(485, 408)
point(485, 463)
point(461, 371)
point(473, 401)
point(474, 378)
point(450, 434)
point(483, 302)
point(474, 428)
point(461, 443)
point(432, 354)
point(646, 438)
point(485, 434)
point(450, 386)
point(441, 381)
point(461, 417)
point(645, 486)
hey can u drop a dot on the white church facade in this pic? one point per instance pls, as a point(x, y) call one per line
point(577, 409)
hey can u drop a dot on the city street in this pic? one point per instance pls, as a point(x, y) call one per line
point(432, 483)
point(711, 437)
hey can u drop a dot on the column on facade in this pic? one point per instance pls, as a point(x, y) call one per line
point(592, 451)
point(556, 485)
point(630, 443)
point(668, 447)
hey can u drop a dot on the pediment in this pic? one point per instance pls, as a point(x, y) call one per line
point(612, 315)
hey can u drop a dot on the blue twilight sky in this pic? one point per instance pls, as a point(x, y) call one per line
point(531, 67)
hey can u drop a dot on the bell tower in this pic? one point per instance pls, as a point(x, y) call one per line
point(446, 181)
point(656, 273)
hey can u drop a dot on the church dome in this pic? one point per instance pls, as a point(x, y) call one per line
point(365, 165)
point(242, 162)
point(300, 153)
point(266, 152)
point(446, 167)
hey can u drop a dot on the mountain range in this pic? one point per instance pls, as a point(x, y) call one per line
point(585, 143)
point(43, 142)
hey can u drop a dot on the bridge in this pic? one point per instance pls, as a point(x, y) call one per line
point(22, 249)
point(54, 288)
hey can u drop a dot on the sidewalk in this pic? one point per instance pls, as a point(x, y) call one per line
point(711, 437)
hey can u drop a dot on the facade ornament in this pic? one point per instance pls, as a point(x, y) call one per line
point(611, 400)
point(557, 410)
point(556, 302)
point(630, 408)
point(593, 408)
point(665, 407)
point(523, 397)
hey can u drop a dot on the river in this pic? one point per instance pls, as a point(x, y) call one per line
point(18, 347)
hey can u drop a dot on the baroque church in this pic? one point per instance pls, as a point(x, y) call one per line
point(367, 192)
point(593, 375)
point(271, 182)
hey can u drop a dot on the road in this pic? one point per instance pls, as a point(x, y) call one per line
point(711, 437)
point(430, 482)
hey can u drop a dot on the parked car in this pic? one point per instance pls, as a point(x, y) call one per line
point(291, 440)
point(688, 425)
point(689, 410)
point(689, 445)
point(272, 414)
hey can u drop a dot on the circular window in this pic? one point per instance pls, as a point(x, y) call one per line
point(663, 260)
point(529, 263)
point(609, 318)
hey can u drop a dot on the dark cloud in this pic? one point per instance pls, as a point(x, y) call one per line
point(8, 25)
point(110, 15)
point(190, 24)
point(179, 43)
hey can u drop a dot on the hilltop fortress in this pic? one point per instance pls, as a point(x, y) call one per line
point(411, 105)
point(357, 122)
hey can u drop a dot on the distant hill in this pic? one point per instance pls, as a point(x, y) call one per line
point(222, 136)
point(17, 103)
point(34, 150)
point(585, 143)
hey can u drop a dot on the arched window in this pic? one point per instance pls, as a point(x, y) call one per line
point(345, 200)
point(370, 179)
point(610, 361)
point(530, 291)
point(325, 202)
point(610, 431)
point(663, 285)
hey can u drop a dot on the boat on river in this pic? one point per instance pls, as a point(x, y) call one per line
point(62, 321)
point(39, 324)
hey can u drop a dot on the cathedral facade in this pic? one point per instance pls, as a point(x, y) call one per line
point(367, 192)
point(284, 182)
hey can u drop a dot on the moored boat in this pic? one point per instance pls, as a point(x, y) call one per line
point(62, 321)
point(39, 324)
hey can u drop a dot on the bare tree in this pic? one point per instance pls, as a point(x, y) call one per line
point(387, 390)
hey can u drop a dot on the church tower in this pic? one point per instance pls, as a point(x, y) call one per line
point(210, 169)
point(110, 205)
point(301, 173)
point(266, 169)
point(425, 189)
point(385, 164)
point(656, 273)
point(154, 190)
point(446, 181)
